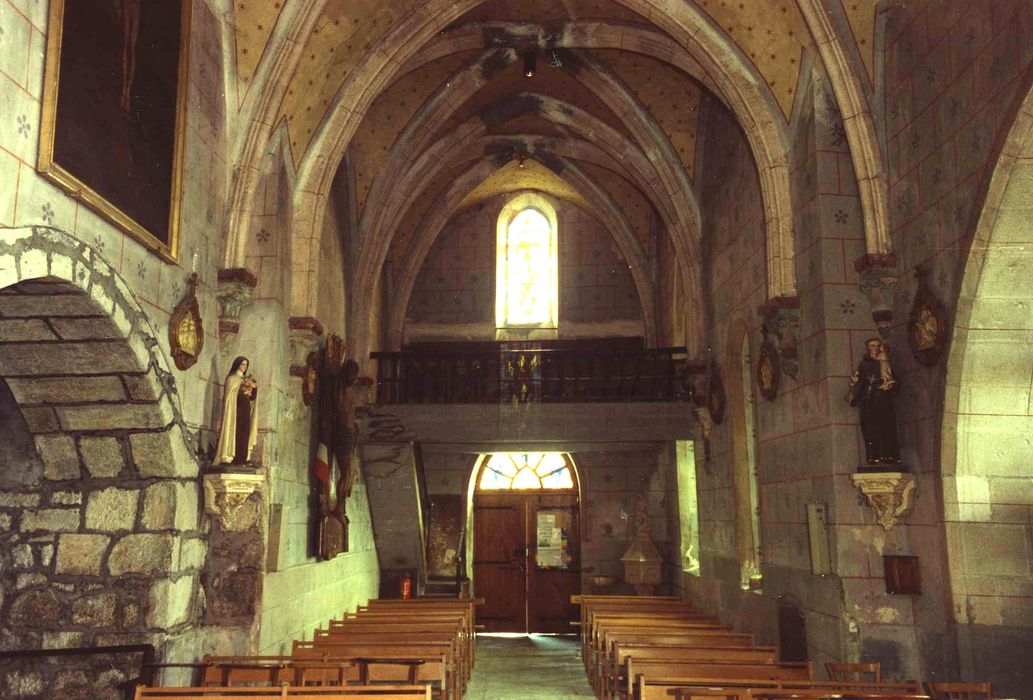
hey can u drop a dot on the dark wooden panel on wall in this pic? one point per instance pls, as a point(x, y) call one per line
point(792, 633)
point(446, 526)
point(902, 575)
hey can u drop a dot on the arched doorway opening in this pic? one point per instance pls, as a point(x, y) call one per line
point(526, 540)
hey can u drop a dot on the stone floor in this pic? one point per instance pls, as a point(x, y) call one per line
point(532, 666)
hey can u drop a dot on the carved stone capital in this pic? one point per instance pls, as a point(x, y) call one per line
point(304, 338)
point(235, 291)
point(878, 282)
point(782, 322)
point(225, 493)
point(890, 494)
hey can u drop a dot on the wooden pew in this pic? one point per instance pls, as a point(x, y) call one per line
point(462, 620)
point(614, 676)
point(627, 605)
point(632, 604)
point(834, 694)
point(690, 638)
point(468, 606)
point(744, 688)
point(398, 692)
point(722, 673)
point(438, 667)
point(658, 624)
point(401, 634)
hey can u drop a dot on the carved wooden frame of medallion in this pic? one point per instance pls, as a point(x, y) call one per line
point(183, 354)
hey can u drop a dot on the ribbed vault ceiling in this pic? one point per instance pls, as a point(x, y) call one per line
point(610, 120)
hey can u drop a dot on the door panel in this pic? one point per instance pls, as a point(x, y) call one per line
point(527, 560)
point(500, 561)
point(553, 577)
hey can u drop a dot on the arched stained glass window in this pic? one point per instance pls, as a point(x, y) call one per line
point(527, 271)
point(503, 471)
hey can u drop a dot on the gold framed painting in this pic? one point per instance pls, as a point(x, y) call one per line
point(114, 112)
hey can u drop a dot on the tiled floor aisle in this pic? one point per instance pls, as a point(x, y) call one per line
point(508, 668)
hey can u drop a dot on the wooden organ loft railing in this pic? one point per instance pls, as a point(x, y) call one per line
point(503, 373)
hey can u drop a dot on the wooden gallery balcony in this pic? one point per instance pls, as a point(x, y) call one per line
point(509, 393)
point(572, 372)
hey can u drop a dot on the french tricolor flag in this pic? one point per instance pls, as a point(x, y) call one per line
point(322, 467)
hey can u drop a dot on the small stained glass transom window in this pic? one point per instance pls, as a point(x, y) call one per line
point(503, 471)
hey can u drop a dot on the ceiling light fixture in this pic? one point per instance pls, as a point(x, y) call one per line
point(530, 59)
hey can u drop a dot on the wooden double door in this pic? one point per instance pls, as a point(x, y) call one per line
point(527, 560)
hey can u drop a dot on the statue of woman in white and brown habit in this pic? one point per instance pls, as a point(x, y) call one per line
point(239, 431)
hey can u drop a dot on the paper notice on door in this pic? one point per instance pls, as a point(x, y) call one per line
point(550, 543)
point(551, 557)
point(546, 528)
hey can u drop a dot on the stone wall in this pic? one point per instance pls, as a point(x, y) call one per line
point(807, 442)
point(150, 498)
point(735, 281)
point(611, 482)
point(455, 289)
point(304, 595)
point(951, 82)
point(102, 541)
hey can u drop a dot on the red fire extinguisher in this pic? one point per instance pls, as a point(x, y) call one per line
point(406, 587)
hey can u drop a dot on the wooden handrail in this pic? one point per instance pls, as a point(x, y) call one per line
point(505, 374)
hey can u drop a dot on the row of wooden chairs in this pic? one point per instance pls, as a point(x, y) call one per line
point(872, 671)
point(388, 648)
point(654, 647)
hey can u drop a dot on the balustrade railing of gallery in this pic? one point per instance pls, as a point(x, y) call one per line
point(551, 375)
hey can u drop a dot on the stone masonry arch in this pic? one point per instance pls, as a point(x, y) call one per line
point(987, 420)
point(102, 539)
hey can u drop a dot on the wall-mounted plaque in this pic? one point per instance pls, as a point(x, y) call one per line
point(310, 379)
point(927, 324)
point(186, 332)
point(716, 397)
point(768, 372)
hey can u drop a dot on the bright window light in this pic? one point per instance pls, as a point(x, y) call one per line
point(527, 270)
point(504, 471)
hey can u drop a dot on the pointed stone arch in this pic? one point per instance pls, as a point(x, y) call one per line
point(748, 95)
point(988, 419)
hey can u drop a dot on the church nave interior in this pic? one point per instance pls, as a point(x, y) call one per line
point(480, 348)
